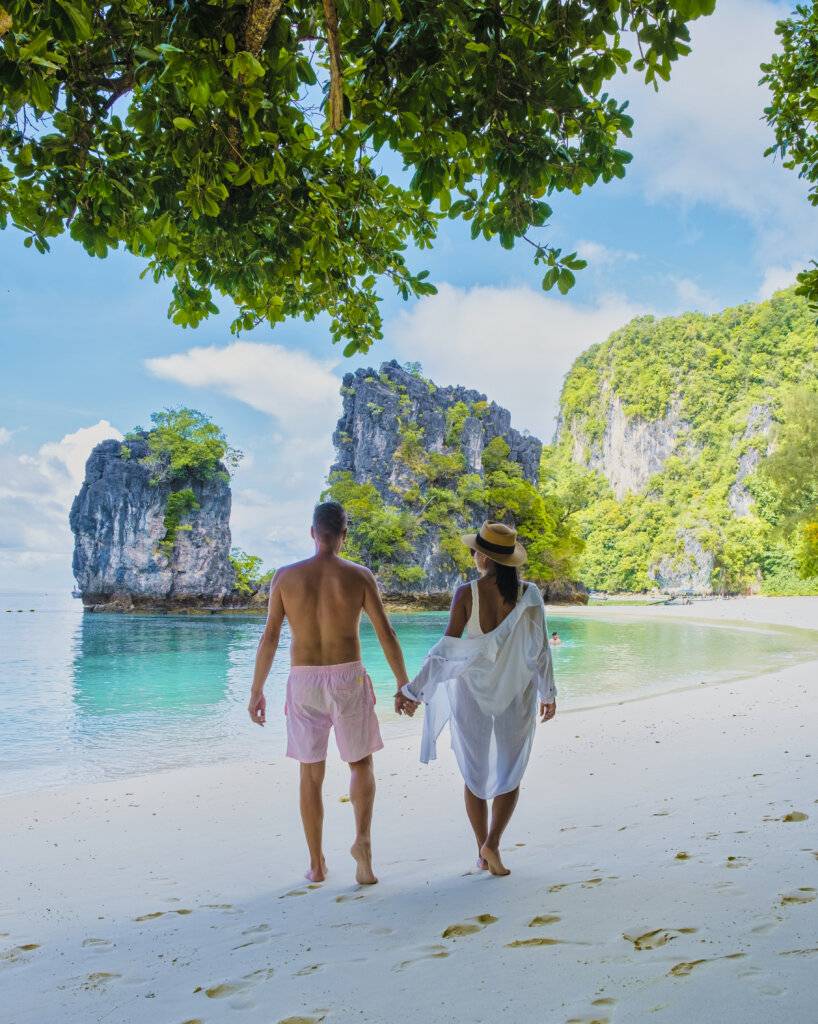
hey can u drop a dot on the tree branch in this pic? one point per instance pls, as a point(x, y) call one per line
point(257, 23)
point(336, 76)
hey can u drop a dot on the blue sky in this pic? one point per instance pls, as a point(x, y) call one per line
point(702, 221)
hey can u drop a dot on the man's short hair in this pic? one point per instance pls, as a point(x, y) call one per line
point(329, 519)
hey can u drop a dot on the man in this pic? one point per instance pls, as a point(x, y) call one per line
point(322, 599)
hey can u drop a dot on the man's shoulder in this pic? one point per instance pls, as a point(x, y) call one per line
point(356, 569)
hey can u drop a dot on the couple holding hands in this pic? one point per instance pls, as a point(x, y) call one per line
point(487, 678)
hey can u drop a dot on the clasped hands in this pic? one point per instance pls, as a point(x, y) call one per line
point(404, 705)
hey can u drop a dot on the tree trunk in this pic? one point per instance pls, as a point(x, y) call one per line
point(257, 23)
point(336, 77)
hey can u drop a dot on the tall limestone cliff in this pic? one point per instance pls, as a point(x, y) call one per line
point(674, 417)
point(122, 557)
point(411, 465)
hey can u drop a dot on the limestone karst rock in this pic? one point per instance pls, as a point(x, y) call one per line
point(379, 406)
point(118, 524)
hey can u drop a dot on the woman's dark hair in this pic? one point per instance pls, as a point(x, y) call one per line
point(508, 582)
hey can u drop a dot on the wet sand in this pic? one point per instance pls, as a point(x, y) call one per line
point(664, 868)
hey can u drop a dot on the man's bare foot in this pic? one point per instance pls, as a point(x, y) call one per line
point(492, 859)
point(361, 850)
point(318, 874)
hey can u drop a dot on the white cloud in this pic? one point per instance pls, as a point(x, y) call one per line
point(274, 492)
point(36, 491)
point(5, 435)
point(514, 344)
point(692, 296)
point(776, 278)
point(599, 255)
point(300, 392)
point(701, 138)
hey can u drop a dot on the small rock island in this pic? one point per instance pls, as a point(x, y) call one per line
point(151, 522)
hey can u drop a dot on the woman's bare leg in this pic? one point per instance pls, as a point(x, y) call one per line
point(501, 810)
point(478, 812)
point(312, 817)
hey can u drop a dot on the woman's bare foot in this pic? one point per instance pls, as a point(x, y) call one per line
point(318, 874)
point(492, 859)
point(361, 850)
point(482, 864)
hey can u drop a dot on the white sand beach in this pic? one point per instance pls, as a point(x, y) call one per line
point(664, 868)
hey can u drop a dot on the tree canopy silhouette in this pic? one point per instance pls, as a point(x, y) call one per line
point(286, 153)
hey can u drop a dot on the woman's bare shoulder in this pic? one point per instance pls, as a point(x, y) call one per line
point(461, 595)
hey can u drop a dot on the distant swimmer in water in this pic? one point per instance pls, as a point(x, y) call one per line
point(555, 639)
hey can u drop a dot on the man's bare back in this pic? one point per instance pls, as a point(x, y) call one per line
point(322, 599)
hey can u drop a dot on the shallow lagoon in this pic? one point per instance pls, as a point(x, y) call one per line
point(90, 697)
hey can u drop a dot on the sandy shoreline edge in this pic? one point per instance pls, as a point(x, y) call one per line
point(179, 896)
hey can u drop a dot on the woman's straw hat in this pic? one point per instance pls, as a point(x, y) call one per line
point(497, 542)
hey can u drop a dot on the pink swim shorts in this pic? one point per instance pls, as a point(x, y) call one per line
point(322, 696)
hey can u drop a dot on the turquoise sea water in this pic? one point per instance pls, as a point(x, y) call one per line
point(90, 697)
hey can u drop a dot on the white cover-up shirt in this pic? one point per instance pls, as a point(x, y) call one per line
point(486, 688)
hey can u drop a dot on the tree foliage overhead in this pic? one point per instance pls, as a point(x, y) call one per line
point(792, 75)
point(234, 146)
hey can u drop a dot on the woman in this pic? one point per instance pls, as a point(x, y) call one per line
point(486, 684)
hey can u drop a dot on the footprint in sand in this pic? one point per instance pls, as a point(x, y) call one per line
point(604, 1001)
point(588, 1020)
point(799, 952)
point(539, 941)
point(805, 894)
point(795, 816)
point(309, 969)
point(471, 927)
point(655, 938)
point(737, 862)
point(226, 988)
point(429, 953)
point(17, 953)
point(543, 919)
point(766, 925)
point(294, 892)
point(349, 896)
point(150, 917)
point(257, 929)
point(589, 883)
point(302, 1020)
point(97, 981)
point(682, 855)
point(686, 967)
point(97, 943)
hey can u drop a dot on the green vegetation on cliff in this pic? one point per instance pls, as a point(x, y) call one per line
point(727, 388)
point(432, 493)
point(182, 444)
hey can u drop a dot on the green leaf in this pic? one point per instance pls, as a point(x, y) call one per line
point(80, 23)
point(183, 123)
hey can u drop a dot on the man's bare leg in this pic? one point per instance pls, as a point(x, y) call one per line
point(501, 810)
point(362, 798)
point(478, 812)
point(312, 816)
